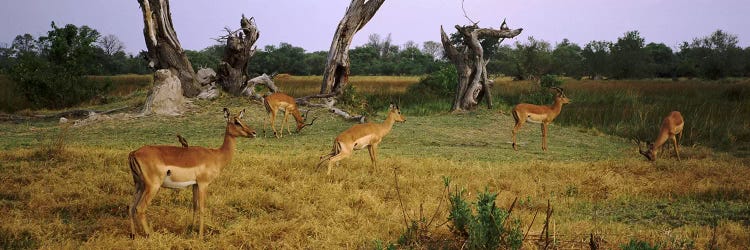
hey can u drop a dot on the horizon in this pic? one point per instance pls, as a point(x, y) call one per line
point(311, 25)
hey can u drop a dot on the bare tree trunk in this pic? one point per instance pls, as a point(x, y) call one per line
point(164, 50)
point(232, 71)
point(471, 65)
point(336, 74)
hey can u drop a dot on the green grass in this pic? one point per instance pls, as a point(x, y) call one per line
point(271, 196)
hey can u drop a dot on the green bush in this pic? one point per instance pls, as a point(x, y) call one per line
point(635, 244)
point(486, 229)
point(440, 83)
point(53, 86)
point(548, 81)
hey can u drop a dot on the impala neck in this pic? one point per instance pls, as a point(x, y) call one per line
point(556, 107)
point(227, 148)
point(298, 117)
point(660, 140)
point(388, 123)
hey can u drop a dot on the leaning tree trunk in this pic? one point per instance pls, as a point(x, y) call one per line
point(471, 65)
point(164, 50)
point(336, 74)
point(232, 71)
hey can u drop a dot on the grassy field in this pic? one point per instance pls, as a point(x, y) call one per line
point(71, 187)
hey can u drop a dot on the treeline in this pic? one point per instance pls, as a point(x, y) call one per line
point(715, 56)
point(50, 71)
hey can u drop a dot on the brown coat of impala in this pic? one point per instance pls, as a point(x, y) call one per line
point(276, 101)
point(538, 114)
point(159, 166)
point(670, 128)
point(360, 136)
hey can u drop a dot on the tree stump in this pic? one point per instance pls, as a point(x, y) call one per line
point(240, 47)
point(471, 65)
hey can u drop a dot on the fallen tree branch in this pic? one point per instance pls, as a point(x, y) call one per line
point(78, 113)
point(329, 101)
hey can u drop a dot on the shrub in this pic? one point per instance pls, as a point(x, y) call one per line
point(636, 244)
point(486, 229)
point(548, 81)
point(440, 83)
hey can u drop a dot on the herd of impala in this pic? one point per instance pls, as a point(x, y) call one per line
point(153, 167)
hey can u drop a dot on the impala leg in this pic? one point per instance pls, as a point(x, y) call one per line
point(286, 123)
point(201, 207)
point(676, 151)
point(345, 152)
point(195, 205)
point(273, 123)
point(518, 126)
point(132, 209)
point(373, 154)
point(544, 137)
point(143, 203)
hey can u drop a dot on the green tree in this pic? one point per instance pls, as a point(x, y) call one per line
point(597, 59)
point(712, 57)
point(283, 59)
point(534, 59)
point(315, 62)
point(567, 59)
point(661, 60)
point(629, 59)
point(208, 57)
point(56, 78)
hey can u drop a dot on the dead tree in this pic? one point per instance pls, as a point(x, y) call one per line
point(471, 65)
point(232, 71)
point(164, 50)
point(336, 74)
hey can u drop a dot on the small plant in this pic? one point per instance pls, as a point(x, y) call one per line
point(487, 228)
point(56, 146)
point(439, 83)
point(636, 244)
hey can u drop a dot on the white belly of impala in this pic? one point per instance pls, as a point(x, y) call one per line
point(536, 118)
point(185, 177)
point(362, 142)
point(168, 183)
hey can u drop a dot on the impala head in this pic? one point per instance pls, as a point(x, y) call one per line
point(649, 153)
point(236, 127)
point(395, 111)
point(301, 125)
point(560, 95)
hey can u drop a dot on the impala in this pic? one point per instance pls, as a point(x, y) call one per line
point(174, 167)
point(670, 128)
point(538, 114)
point(276, 101)
point(360, 136)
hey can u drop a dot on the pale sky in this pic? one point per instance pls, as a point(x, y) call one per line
point(310, 24)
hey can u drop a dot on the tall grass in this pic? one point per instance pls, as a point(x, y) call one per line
point(715, 112)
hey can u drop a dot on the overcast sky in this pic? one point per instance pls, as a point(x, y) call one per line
point(310, 24)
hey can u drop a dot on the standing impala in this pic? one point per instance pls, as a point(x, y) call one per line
point(179, 167)
point(670, 127)
point(276, 101)
point(538, 114)
point(360, 136)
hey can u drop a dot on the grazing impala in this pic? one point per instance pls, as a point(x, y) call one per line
point(538, 114)
point(360, 136)
point(153, 167)
point(670, 127)
point(276, 101)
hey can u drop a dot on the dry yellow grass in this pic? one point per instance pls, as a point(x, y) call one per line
point(271, 197)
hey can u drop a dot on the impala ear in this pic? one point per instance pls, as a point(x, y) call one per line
point(242, 113)
point(391, 106)
point(226, 114)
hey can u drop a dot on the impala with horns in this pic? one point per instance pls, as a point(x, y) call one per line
point(276, 101)
point(670, 128)
point(538, 114)
point(154, 167)
point(360, 136)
